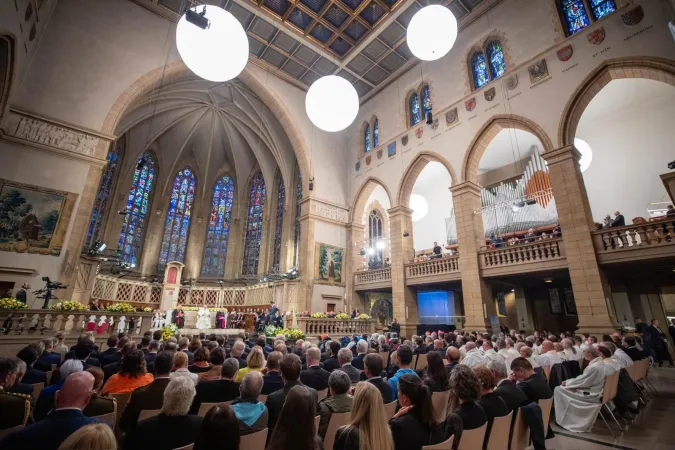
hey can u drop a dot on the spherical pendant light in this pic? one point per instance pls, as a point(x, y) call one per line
point(217, 53)
point(432, 32)
point(586, 153)
point(332, 103)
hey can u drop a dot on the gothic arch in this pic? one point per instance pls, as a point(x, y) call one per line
point(362, 196)
point(488, 131)
point(651, 68)
point(7, 55)
point(414, 169)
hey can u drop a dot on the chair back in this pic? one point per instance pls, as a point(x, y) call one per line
point(472, 439)
point(421, 361)
point(147, 413)
point(499, 433)
point(547, 372)
point(336, 421)
point(187, 447)
point(545, 405)
point(49, 377)
point(453, 403)
point(110, 419)
point(121, 400)
point(607, 389)
point(204, 407)
point(385, 359)
point(445, 445)
point(317, 420)
point(53, 367)
point(254, 441)
point(390, 410)
point(11, 430)
point(521, 433)
point(37, 387)
point(323, 393)
point(440, 401)
point(581, 364)
point(614, 385)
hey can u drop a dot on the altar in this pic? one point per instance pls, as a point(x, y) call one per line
point(191, 321)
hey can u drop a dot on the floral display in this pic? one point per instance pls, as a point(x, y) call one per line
point(318, 315)
point(120, 307)
point(169, 331)
point(196, 308)
point(291, 334)
point(147, 309)
point(363, 316)
point(331, 314)
point(68, 305)
point(11, 303)
point(343, 316)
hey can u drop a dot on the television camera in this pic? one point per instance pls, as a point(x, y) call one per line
point(46, 292)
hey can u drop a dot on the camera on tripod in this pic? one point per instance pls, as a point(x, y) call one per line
point(53, 284)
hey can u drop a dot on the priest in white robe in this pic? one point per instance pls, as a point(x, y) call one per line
point(489, 353)
point(548, 356)
point(473, 357)
point(579, 400)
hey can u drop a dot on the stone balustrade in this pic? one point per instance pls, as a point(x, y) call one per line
point(529, 257)
point(433, 270)
point(371, 279)
point(635, 242)
point(335, 327)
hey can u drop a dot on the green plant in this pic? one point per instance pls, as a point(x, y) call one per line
point(169, 331)
point(291, 334)
point(271, 330)
point(363, 316)
point(147, 309)
point(343, 316)
point(121, 307)
point(68, 305)
point(11, 303)
point(318, 315)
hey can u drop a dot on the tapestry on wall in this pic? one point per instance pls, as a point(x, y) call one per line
point(380, 306)
point(33, 219)
point(328, 263)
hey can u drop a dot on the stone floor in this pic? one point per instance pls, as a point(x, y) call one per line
point(653, 429)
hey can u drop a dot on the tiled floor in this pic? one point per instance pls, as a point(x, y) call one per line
point(653, 430)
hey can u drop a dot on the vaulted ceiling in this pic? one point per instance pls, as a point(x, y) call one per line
point(363, 41)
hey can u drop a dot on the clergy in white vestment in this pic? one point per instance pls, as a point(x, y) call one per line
point(489, 352)
point(578, 400)
point(473, 357)
point(615, 363)
point(527, 353)
point(570, 350)
point(623, 357)
point(548, 355)
point(558, 347)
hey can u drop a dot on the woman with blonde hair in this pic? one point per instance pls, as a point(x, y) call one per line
point(255, 361)
point(91, 437)
point(368, 429)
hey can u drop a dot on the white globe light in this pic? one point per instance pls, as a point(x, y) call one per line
point(432, 32)
point(332, 103)
point(419, 206)
point(586, 153)
point(218, 53)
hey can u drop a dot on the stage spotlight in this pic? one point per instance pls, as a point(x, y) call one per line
point(671, 165)
point(515, 208)
point(406, 234)
point(198, 19)
point(371, 251)
point(380, 245)
point(362, 252)
point(100, 246)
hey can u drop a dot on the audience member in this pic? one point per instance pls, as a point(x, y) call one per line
point(202, 357)
point(373, 371)
point(48, 356)
point(452, 355)
point(255, 361)
point(466, 386)
point(60, 346)
point(132, 375)
point(492, 404)
point(180, 363)
point(314, 376)
point(19, 387)
point(219, 421)
point(251, 413)
point(29, 355)
point(339, 400)
point(153, 349)
point(217, 358)
point(548, 356)
point(404, 356)
point(436, 375)
point(224, 389)
point(15, 407)
point(237, 351)
point(505, 388)
point(272, 381)
point(368, 423)
point(183, 344)
point(332, 362)
point(531, 383)
point(91, 437)
point(112, 353)
point(657, 340)
point(361, 351)
point(345, 359)
point(473, 356)
point(298, 411)
point(45, 401)
point(98, 405)
point(111, 369)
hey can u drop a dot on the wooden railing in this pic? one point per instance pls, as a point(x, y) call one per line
point(646, 240)
point(516, 255)
point(335, 327)
point(433, 268)
point(376, 276)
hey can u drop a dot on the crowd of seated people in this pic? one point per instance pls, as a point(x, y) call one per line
point(496, 240)
point(489, 376)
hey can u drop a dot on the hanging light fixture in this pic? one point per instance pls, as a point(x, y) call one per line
point(432, 32)
point(212, 43)
point(332, 103)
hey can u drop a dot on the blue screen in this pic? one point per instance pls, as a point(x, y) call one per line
point(436, 307)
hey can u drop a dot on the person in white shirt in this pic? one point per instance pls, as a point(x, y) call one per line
point(623, 357)
point(558, 347)
point(513, 353)
point(570, 351)
point(181, 364)
point(577, 345)
point(548, 355)
point(473, 357)
point(489, 352)
point(527, 352)
point(503, 351)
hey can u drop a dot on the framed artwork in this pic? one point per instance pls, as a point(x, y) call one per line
point(328, 263)
point(570, 304)
point(33, 219)
point(501, 304)
point(554, 301)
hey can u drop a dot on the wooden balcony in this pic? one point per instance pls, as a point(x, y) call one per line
point(641, 242)
point(433, 271)
point(537, 256)
point(372, 279)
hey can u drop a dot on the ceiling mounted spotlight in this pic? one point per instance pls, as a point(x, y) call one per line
point(432, 32)
point(332, 103)
point(198, 18)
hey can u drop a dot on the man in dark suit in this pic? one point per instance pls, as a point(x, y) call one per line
point(657, 339)
point(237, 353)
point(173, 427)
point(420, 348)
point(373, 371)
point(114, 351)
point(29, 355)
point(153, 348)
point(452, 355)
point(48, 356)
point(64, 420)
point(21, 293)
point(183, 347)
point(19, 387)
point(216, 391)
point(506, 389)
point(618, 220)
point(272, 380)
point(533, 385)
point(345, 357)
point(332, 363)
point(361, 350)
point(395, 327)
point(150, 396)
point(631, 350)
point(314, 376)
point(15, 407)
point(145, 342)
point(290, 371)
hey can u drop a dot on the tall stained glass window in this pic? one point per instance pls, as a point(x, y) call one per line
point(496, 57)
point(253, 235)
point(278, 224)
point(366, 138)
point(575, 16)
point(426, 101)
point(376, 133)
point(602, 8)
point(104, 192)
point(414, 107)
point(215, 248)
point(178, 217)
point(138, 203)
point(479, 69)
point(298, 197)
point(375, 235)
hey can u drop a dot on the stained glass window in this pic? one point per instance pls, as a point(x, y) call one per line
point(104, 192)
point(375, 235)
point(602, 8)
point(426, 101)
point(575, 15)
point(376, 133)
point(253, 235)
point(215, 248)
point(496, 57)
point(298, 197)
point(138, 203)
point(278, 225)
point(414, 107)
point(178, 217)
point(366, 138)
point(479, 69)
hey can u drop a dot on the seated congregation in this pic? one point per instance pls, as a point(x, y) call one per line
point(442, 391)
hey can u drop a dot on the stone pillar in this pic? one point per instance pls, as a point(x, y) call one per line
point(402, 251)
point(194, 250)
point(354, 262)
point(306, 256)
point(477, 293)
point(287, 235)
point(235, 247)
point(589, 284)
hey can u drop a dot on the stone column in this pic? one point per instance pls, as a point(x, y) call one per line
point(353, 262)
point(306, 256)
point(235, 246)
point(152, 241)
point(402, 251)
point(287, 235)
point(194, 250)
point(589, 284)
point(477, 293)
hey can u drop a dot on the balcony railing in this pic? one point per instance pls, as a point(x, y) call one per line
point(373, 278)
point(433, 270)
point(633, 242)
point(335, 327)
point(533, 257)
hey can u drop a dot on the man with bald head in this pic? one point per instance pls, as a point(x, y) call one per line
point(548, 355)
point(452, 355)
point(251, 413)
point(473, 356)
point(64, 419)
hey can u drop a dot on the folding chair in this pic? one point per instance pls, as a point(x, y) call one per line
point(110, 419)
point(499, 433)
point(205, 407)
point(37, 387)
point(421, 362)
point(445, 445)
point(545, 405)
point(317, 419)
point(322, 394)
point(254, 441)
point(336, 421)
point(520, 437)
point(147, 413)
point(472, 439)
point(440, 401)
point(390, 410)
